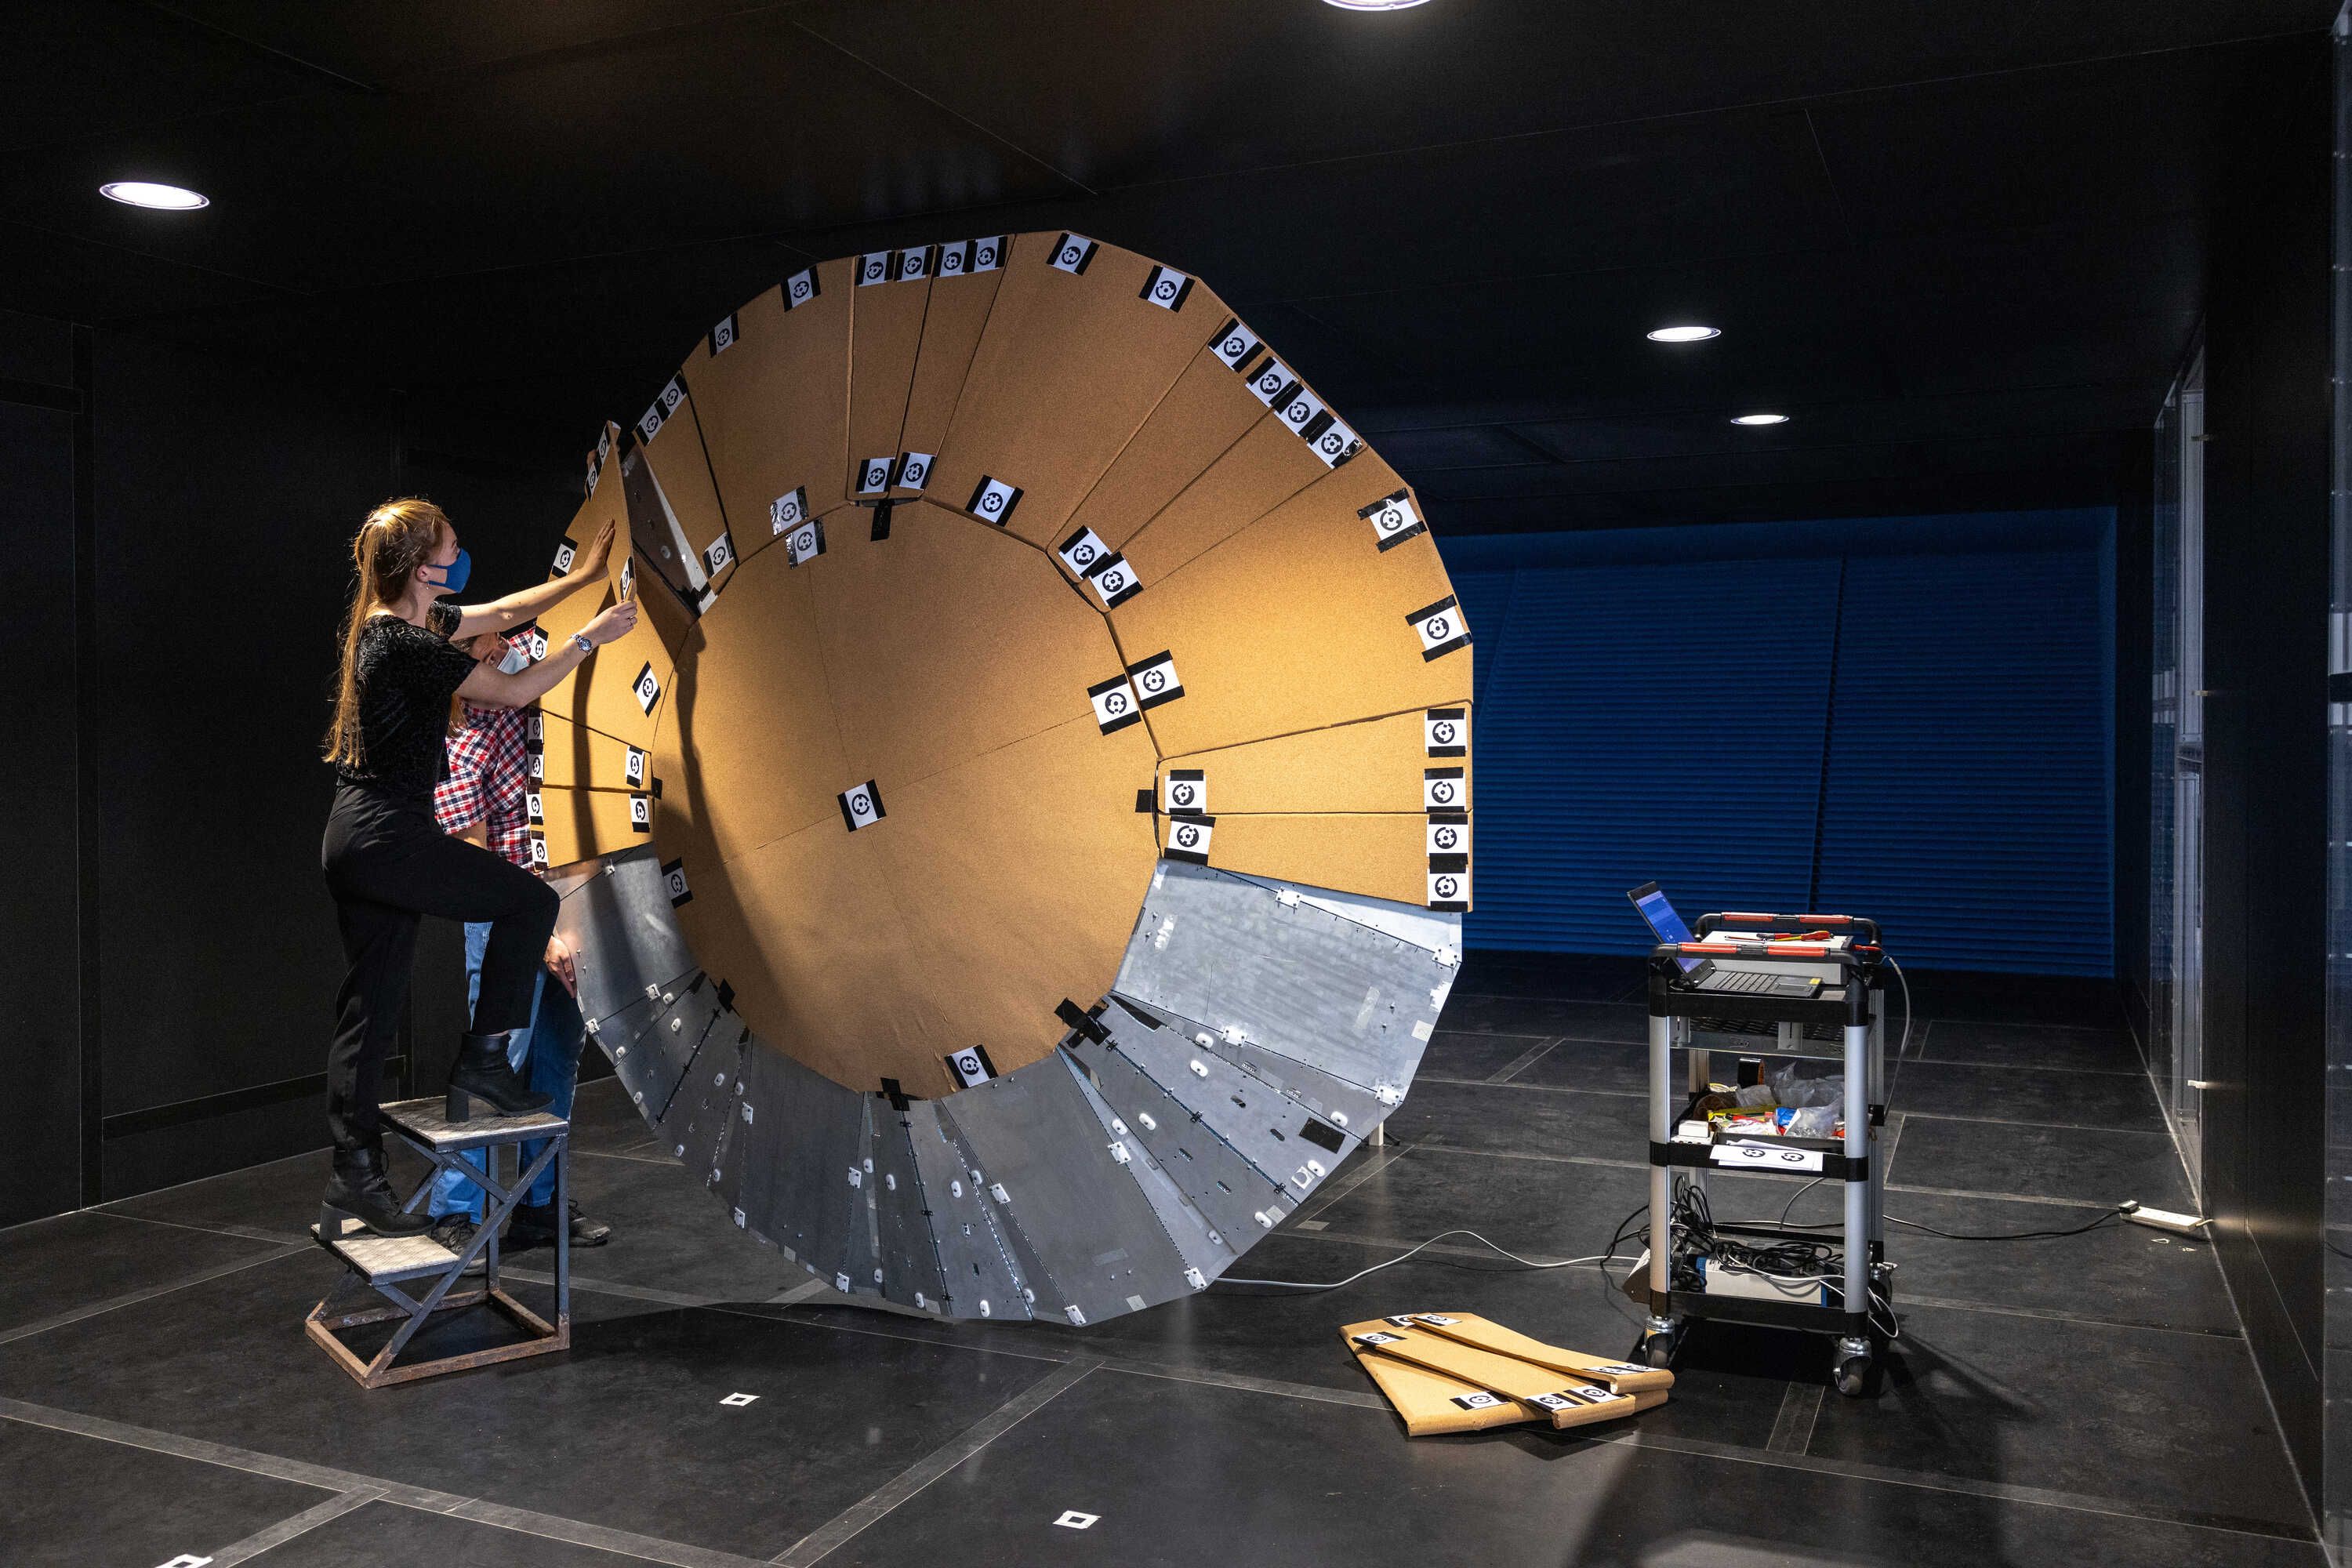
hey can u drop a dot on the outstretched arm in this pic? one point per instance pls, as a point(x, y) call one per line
point(486, 688)
point(503, 615)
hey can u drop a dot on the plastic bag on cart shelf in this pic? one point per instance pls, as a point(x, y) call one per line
point(1786, 1086)
point(1815, 1122)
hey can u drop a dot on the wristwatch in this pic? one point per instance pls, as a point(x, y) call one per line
point(582, 643)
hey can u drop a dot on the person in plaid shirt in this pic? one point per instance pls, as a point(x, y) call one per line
point(487, 796)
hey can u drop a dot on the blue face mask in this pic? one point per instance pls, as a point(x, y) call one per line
point(453, 576)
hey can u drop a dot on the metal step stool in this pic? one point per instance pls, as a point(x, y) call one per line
point(382, 1264)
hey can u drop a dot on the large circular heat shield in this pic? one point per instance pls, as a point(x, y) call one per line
point(1021, 851)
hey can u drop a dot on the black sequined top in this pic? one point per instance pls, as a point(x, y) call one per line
point(407, 674)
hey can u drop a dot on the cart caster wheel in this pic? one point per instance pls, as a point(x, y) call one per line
point(1655, 1351)
point(1854, 1375)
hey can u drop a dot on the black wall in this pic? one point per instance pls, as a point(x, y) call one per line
point(170, 946)
point(2135, 606)
point(2266, 571)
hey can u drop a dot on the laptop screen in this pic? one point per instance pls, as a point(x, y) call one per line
point(1664, 920)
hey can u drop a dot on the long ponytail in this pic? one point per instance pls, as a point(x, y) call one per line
point(396, 539)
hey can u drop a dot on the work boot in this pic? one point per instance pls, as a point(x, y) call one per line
point(360, 1194)
point(482, 1075)
point(456, 1232)
point(534, 1226)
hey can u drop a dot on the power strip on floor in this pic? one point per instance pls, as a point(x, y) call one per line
point(2164, 1220)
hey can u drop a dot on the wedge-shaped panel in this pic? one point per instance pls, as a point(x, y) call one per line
point(773, 406)
point(701, 1114)
point(747, 743)
point(1267, 467)
point(575, 824)
point(1071, 1205)
point(806, 1145)
point(676, 473)
point(1204, 1248)
point(565, 755)
point(653, 1046)
point(904, 1249)
point(805, 930)
point(1016, 876)
point(1286, 976)
point(963, 292)
point(886, 330)
point(979, 1277)
point(1297, 622)
point(1385, 857)
point(624, 934)
point(1215, 1178)
point(1075, 358)
point(1208, 409)
point(946, 640)
point(1372, 765)
point(1290, 1146)
point(1334, 1099)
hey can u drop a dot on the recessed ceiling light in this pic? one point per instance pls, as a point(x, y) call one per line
point(141, 193)
point(1375, 5)
point(1760, 419)
point(1690, 334)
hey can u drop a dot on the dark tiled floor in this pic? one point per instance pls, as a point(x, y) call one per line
point(2080, 1399)
point(2121, 1101)
point(149, 1507)
point(385, 1532)
point(54, 1265)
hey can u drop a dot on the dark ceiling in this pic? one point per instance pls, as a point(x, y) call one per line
point(1959, 243)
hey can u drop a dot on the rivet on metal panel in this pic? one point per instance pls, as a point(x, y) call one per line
point(1119, 1153)
point(1075, 1316)
point(1148, 1124)
point(1193, 1277)
point(1287, 897)
point(997, 1191)
point(841, 1283)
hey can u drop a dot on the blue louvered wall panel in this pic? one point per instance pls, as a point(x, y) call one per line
point(1600, 732)
point(1968, 800)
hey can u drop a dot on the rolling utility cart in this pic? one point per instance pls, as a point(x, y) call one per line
point(384, 1264)
point(1815, 999)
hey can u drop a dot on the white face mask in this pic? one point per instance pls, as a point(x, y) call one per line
point(517, 660)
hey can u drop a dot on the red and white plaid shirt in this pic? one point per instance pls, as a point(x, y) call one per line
point(490, 780)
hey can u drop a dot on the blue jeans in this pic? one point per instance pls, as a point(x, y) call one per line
point(546, 1052)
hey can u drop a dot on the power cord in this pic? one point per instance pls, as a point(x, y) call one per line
point(1433, 1241)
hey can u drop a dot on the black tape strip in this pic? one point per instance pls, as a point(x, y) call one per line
point(1449, 865)
point(725, 995)
point(894, 1094)
point(1441, 649)
point(1316, 426)
point(1323, 1135)
point(1422, 613)
point(981, 1052)
point(882, 520)
point(1079, 1021)
point(1144, 805)
point(658, 786)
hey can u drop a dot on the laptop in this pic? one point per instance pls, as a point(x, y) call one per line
point(1704, 974)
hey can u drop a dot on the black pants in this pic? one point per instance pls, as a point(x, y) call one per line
point(387, 865)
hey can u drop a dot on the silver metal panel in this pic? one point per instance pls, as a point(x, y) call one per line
point(623, 933)
point(1436, 930)
point(1225, 1189)
point(1290, 1146)
point(1284, 974)
point(908, 1256)
point(805, 1149)
point(1343, 1104)
point(978, 1276)
point(696, 1126)
point(1206, 1249)
point(1098, 1247)
point(653, 1044)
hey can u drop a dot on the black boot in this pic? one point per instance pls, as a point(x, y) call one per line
point(360, 1194)
point(534, 1226)
point(482, 1075)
